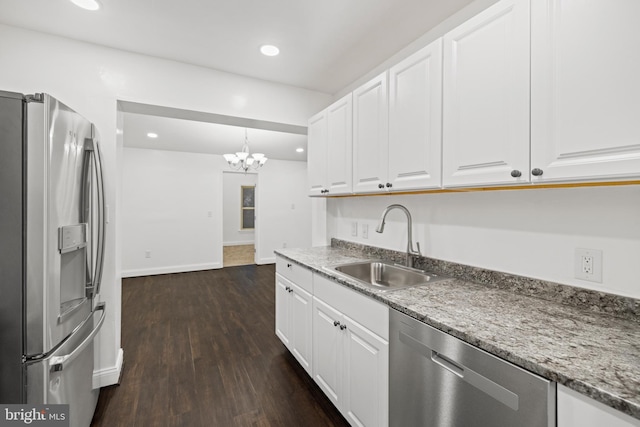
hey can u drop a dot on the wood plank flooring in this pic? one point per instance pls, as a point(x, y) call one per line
point(200, 350)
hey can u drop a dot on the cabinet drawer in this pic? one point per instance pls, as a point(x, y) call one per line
point(368, 312)
point(296, 273)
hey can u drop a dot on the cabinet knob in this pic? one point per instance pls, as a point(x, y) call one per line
point(287, 288)
point(536, 172)
point(336, 323)
point(343, 327)
point(516, 173)
point(380, 185)
point(389, 185)
point(288, 265)
point(290, 290)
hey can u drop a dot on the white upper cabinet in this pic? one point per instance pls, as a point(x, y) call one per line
point(585, 89)
point(371, 136)
point(339, 147)
point(329, 154)
point(415, 121)
point(317, 153)
point(486, 98)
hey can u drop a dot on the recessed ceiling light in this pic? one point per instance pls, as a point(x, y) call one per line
point(152, 135)
point(269, 50)
point(299, 150)
point(87, 4)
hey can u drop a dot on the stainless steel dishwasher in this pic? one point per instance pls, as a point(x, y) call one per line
point(437, 380)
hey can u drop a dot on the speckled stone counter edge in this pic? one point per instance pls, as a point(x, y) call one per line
point(597, 302)
point(360, 251)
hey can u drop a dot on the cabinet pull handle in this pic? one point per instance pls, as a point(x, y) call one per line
point(336, 323)
point(343, 327)
point(380, 185)
point(536, 172)
point(516, 173)
point(389, 185)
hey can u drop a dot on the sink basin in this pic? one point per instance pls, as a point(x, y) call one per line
point(385, 276)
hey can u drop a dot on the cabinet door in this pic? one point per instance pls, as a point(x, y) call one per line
point(577, 410)
point(486, 98)
point(415, 120)
point(282, 310)
point(327, 350)
point(366, 379)
point(370, 136)
point(339, 146)
point(317, 153)
point(300, 326)
point(585, 90)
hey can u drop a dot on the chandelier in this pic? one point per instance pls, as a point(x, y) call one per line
point(242, 160)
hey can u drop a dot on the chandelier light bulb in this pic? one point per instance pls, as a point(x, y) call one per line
point(243, 160)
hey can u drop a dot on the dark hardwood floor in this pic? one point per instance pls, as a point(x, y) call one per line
point(200, 350)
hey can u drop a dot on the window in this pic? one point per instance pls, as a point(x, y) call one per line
point(248, 208)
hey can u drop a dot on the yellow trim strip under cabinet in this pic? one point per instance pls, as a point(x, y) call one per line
point(531, 186)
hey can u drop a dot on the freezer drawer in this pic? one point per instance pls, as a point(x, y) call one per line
point(66, 375)
point(437, 380)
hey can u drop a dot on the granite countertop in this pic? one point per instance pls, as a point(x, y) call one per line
point(594, 354)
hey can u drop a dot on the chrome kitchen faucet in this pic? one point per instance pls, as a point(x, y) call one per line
point(410, 251)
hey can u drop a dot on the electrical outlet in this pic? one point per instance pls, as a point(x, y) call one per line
point(147, 254)
point(365, 231)
point(354, 228)
point(588, 265)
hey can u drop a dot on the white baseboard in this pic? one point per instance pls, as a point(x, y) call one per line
point(262, 261)
point(170, 269)
point(241, 243)
point(109, 376)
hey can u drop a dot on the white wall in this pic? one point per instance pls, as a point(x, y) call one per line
point(92, 79)
point(532, 233)
point(171, 208)
point(283, 209)
point(167, 197)
point(232, 234)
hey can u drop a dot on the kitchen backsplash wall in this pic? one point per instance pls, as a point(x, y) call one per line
point(532, 233)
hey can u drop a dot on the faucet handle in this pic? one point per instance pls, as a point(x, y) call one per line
point(418, 252)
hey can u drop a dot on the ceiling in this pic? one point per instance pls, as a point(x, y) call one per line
point(324, 45)
point(211, 138)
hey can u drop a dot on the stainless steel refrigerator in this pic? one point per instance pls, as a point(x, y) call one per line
point(52, 237)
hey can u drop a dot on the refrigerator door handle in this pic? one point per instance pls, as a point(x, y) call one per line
point(103, 217)
point(92, 156)
point(58, 363)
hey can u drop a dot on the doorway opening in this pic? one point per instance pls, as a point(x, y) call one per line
point(238, 218)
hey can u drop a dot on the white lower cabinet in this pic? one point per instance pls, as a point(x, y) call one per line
point(340, 337)
point(577, 410)
point(351, 362)
point(293, 320)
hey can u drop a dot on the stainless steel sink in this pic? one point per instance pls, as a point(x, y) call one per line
point(384, 276)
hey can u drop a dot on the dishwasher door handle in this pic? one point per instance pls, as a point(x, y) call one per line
point(447, 364)
point(468, 375)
